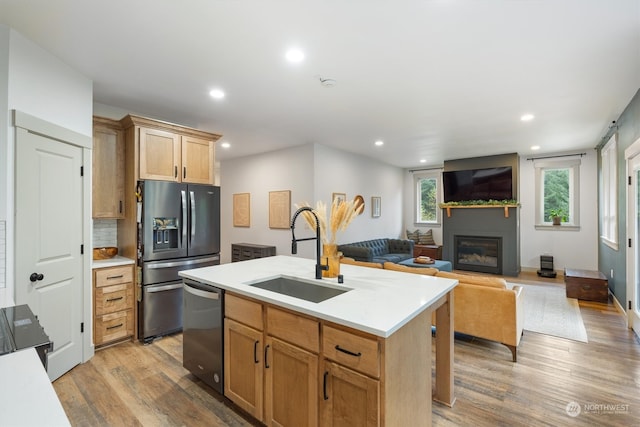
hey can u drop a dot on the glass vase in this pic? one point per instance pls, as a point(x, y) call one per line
point(331, 258)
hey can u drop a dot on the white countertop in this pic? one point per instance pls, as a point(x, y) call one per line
point(379, 302)
point(111, 262)
point(27, 397)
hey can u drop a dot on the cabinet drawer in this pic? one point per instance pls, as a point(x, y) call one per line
point(114, 326)
point(356, 352)
point(114, 276)
point(110, 299)
point(244, 311)
point(295, 329)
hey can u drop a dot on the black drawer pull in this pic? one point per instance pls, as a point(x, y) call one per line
point(350, 353)
point(255, 352)
point(324, 386)
point(266, 361)
point(115, 277)
point(116, 326)
point(114, 299)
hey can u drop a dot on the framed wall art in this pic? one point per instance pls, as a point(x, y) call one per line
point(340, 196)
point(280, 209)
point(241, 210)
point(375, 206)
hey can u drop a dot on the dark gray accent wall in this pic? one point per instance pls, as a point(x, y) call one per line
point(511, 159)
point(628, 132)
point(486, 222)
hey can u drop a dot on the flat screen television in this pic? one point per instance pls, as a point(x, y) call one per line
point(478, 184)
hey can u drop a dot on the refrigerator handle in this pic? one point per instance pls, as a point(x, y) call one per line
point(192, 197)
point(183, 197)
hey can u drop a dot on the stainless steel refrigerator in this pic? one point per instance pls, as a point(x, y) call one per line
point(180, 230)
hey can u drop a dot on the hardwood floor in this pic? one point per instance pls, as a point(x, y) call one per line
point(132, 384)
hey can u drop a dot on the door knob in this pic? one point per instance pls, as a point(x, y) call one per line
point(36, 276)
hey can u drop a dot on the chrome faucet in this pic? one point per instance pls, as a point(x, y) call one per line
point(294, 241)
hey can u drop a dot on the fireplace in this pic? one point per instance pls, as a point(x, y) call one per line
point(478, 253)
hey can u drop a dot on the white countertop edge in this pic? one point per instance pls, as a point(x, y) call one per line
point(386, 310)
point(116, 261)
point(27, 397)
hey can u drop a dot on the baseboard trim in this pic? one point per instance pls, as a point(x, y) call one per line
point(620, 308)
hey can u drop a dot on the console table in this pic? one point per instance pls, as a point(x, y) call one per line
point(244, 251)
point(432, 251)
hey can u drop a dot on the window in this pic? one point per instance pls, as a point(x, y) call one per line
point(427, 197)
point(609, 162)
point(557, 192)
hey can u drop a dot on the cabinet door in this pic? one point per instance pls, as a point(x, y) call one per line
point(108, 173)
point(197, 160)
point(243, 367)
point(349, 399)
point(159, 155)
point(291, 385)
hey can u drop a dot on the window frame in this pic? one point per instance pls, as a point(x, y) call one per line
point(609, 217)
point(573, 164)
point(417, 177)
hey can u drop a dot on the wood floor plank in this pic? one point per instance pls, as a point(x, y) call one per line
point(134, 384)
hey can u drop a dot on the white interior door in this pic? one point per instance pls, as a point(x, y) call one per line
point(48, 242)
point(633, 255)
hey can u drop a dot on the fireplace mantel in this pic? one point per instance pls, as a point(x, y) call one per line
point(505, 207)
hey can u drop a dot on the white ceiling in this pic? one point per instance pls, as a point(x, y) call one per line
point(435, 80)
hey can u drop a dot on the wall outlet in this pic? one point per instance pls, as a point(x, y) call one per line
point(612, 273)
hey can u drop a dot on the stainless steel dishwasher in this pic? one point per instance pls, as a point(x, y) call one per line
point(202, 336)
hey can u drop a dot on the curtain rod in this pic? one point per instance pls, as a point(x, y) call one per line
point(610, 131)
point(560, 155)
point(426, 169)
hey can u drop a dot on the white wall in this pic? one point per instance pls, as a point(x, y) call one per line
point(41, 85)
point(573, 249)
point(312, 173)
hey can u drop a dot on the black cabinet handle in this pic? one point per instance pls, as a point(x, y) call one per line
point(115, 277)
point(266, 361)
point(255, 352)
point(114, 299)
point(120, 206)
point(184, 172)
point(350, 353)
point(116, 326)
point(324, 386)
point(175, 171)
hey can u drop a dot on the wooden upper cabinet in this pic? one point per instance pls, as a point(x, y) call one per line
point(108, 169)
point(159, 155)
point(170, 152)
point(197, 160)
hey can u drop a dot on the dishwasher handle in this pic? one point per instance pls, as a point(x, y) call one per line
point(155, 288)
point(200, 293)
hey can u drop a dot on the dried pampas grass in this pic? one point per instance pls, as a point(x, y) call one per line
point(342, 213)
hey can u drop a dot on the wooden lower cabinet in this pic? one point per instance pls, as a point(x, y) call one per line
point(113, 304)
point(349, 399)
point(243, 364)
point(291, 385)
point(291, 370)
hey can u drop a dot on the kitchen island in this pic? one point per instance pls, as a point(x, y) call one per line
point(364, 354)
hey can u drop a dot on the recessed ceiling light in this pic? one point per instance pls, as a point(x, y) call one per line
point(379, 143)
point(225, 144)
point(527, 117)
point(535, 147)
point(217, 93)
point(294, 55)
point(423, 160)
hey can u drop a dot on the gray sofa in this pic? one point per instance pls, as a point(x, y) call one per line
point(378, 250)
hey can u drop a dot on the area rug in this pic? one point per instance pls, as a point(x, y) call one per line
point(547, 310)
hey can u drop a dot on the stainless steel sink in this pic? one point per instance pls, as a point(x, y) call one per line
point(298, 288)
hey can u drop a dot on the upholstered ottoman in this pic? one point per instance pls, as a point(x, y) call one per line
point(439, 264)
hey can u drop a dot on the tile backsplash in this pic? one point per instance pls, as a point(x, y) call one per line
point(105, 232)
point(3, 253)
